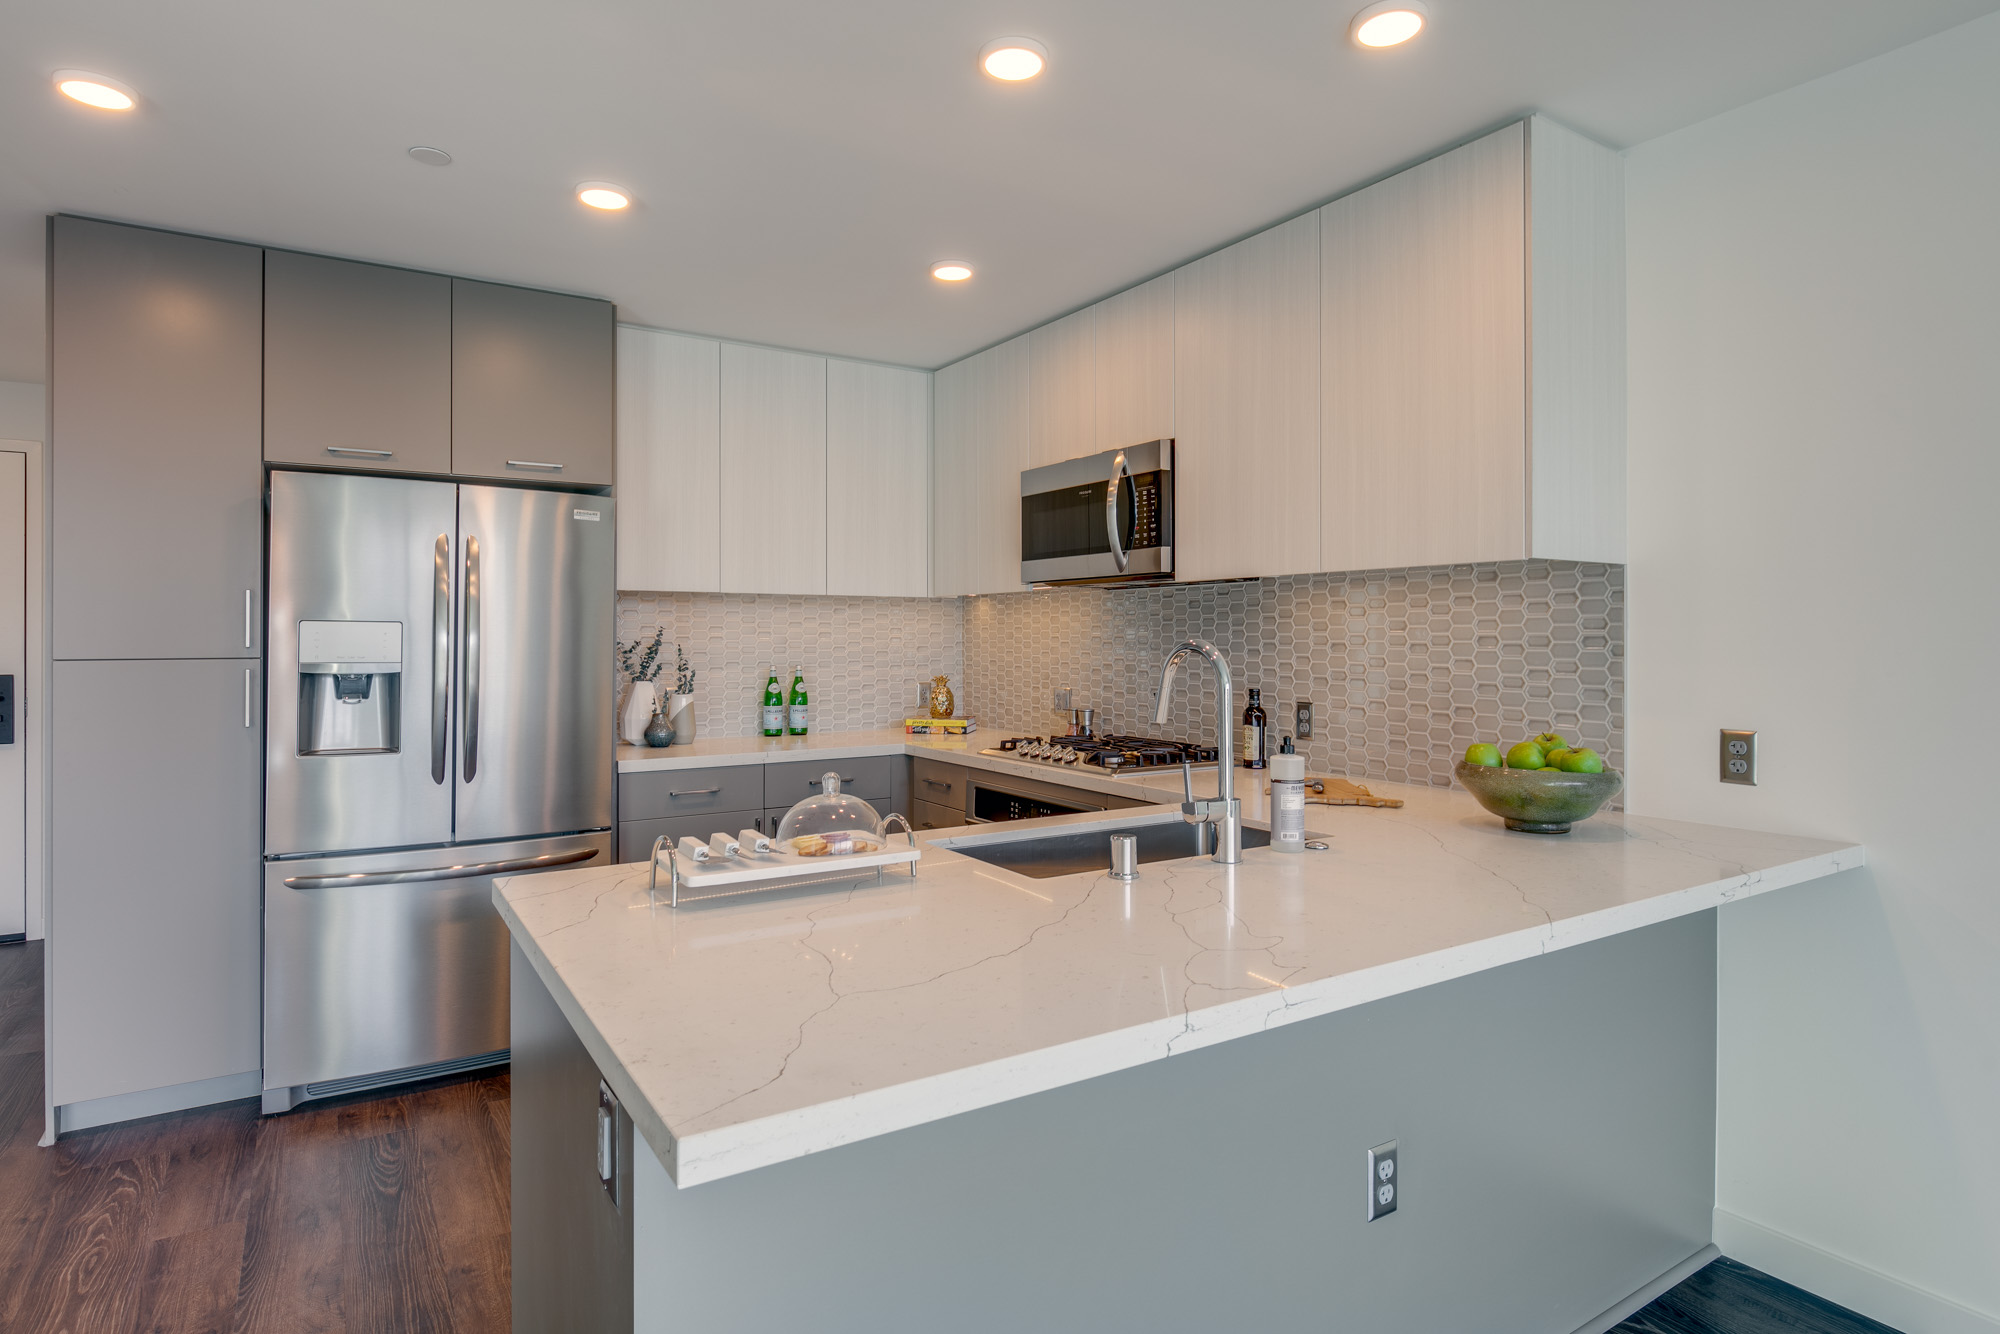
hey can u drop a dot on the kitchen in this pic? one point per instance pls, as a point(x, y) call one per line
point(1526, 416)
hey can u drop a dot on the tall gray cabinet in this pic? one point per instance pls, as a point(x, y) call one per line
point(156, 564)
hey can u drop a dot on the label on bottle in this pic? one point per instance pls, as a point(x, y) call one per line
point(1288, 815)
point(774, 718)
point(798, 718)
point(1251, 739)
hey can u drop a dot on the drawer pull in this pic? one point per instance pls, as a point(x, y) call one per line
point(368, 453)
point(536, 464)
point(696, 792)
point(932, 782)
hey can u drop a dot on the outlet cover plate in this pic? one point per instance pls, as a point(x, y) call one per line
point(1302, 720)
point(1739, 757)
point(1385, 1183)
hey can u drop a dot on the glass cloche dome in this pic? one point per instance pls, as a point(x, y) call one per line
point(832, 824)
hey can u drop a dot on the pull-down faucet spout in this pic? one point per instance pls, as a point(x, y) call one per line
point(1225, 813)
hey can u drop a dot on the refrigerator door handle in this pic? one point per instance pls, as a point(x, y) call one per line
point(440, 872)
point(469, 687)
point(441, 660)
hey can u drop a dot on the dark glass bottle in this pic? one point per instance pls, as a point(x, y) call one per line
point(1255, 726)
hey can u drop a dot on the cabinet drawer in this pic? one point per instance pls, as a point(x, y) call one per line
point(925, 815)
point(635, 837)
point(935, 783)
point(871, 778)
point(661, 793)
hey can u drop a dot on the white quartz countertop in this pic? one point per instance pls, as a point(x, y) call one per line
point(749, 1031)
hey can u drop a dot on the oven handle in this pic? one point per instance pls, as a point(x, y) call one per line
point(1119, 468)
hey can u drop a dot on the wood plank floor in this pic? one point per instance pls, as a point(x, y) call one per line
point(375, 1215)
point(1724, 1297)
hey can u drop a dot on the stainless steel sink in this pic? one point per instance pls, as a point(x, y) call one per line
point(1068, 852)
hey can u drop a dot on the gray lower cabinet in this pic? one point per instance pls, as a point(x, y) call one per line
point(936, 783)
point(156, 452)
point(532, 385)
point(670, 792)
point(635, 837)
point(154, 932)
point(925, 815)
point(357, 365)
point(870, 777)
point(570, 1174)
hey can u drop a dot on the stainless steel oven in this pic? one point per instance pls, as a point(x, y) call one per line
point(1108, 518)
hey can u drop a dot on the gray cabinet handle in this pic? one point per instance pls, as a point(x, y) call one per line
point(246, 618)
point(466, 872)
point(246, 698)
point(370, 453)
point(696, 792)
point(929, 782)
point(469, 685)
point(441, 658)
point(531, 463)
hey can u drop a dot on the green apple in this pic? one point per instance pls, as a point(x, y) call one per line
point(1549, 741)
point(1526, 755)
point(1585, 761)
point(1483, 754)
point(1552, 759)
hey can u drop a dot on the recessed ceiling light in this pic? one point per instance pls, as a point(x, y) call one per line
point(951, 270)
point(1389, 23)
point(1012, 59)
point(602, 194)
point(95, 90)
point(431, 157)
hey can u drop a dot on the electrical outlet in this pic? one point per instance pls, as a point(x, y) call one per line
point(1302, 715)
point(1385, 1187)
point(1062, 699)
point(1739, 757)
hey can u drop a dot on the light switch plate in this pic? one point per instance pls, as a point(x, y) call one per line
point(1739, 757)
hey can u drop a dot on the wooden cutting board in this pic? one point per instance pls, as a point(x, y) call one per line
point(1324, 791)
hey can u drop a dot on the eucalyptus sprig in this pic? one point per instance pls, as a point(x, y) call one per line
point(684, 675)
point(640, 660)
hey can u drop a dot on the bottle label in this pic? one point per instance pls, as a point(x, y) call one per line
point(774, 717)
point(798, 717)
point(1288, 812)
point(1252, 743)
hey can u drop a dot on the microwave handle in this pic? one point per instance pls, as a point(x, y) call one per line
point(1119, 468)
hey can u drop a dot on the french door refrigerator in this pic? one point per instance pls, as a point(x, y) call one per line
point(438, 713)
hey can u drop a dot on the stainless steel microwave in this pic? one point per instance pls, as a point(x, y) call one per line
point(1105, 519)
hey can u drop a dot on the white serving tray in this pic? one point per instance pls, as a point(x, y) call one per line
point(753, 871)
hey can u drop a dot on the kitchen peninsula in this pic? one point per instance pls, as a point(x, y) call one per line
point(944, 1102)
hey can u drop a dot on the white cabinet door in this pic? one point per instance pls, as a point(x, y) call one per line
point(979, 450)
point(1062, 389)
point(878, 435)
point(1424, 363)
point(1247, 363)
point(1135, 366)
point(773, 471)
point(669, 461)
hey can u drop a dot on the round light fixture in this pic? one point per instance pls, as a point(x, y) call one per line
point(604, 195)
point(431, 157)
point(1012, 59)
point(1389, 23)
point(94, 90)
point(951, 271)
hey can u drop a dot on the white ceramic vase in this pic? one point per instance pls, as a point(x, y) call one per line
point(640, 705)
point(680, 714)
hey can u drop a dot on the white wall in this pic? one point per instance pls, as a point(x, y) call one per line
point(1815, 525)
point(23, 414)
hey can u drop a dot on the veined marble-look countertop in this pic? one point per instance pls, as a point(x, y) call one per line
point(750, 1031)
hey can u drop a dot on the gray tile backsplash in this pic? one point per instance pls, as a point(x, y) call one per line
point(1405, 668)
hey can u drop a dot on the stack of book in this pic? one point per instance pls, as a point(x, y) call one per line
point(940, 726)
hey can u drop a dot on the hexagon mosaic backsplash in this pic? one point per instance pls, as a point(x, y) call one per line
point(1404, 668)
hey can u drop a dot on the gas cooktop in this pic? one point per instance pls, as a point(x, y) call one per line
point(1114, 754)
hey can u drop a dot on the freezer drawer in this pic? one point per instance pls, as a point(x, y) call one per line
point(369, 975)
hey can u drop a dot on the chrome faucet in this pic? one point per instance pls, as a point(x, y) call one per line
point(1224, 814)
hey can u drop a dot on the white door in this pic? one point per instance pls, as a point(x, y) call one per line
point(14, 664)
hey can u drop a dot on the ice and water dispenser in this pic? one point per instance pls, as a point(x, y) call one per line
point(350, 687)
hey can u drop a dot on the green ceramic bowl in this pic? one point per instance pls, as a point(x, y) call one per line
point(1539, 801)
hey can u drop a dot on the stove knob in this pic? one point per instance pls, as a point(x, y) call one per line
point(1073, 757)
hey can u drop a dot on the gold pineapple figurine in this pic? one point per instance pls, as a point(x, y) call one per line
point(942, 703)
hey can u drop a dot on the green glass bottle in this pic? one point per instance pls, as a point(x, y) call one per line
point(774, 707)
point(797, 705)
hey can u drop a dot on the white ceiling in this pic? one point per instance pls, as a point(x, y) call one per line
point(800, 164)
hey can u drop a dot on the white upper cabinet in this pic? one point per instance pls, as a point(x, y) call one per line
point(1444, 440)
point(878, 432)
point(669, 461)
point(1062, 389)
point(1135, 366)
point(773, 471)
point(979, 450)
point(1247, 367)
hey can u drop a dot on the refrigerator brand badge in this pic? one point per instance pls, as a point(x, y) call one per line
point(592, 515)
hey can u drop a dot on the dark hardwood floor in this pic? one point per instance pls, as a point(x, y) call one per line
point(1725, 1297)
point(375, 1215)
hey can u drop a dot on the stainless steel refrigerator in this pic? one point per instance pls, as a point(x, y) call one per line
point(438, 713)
